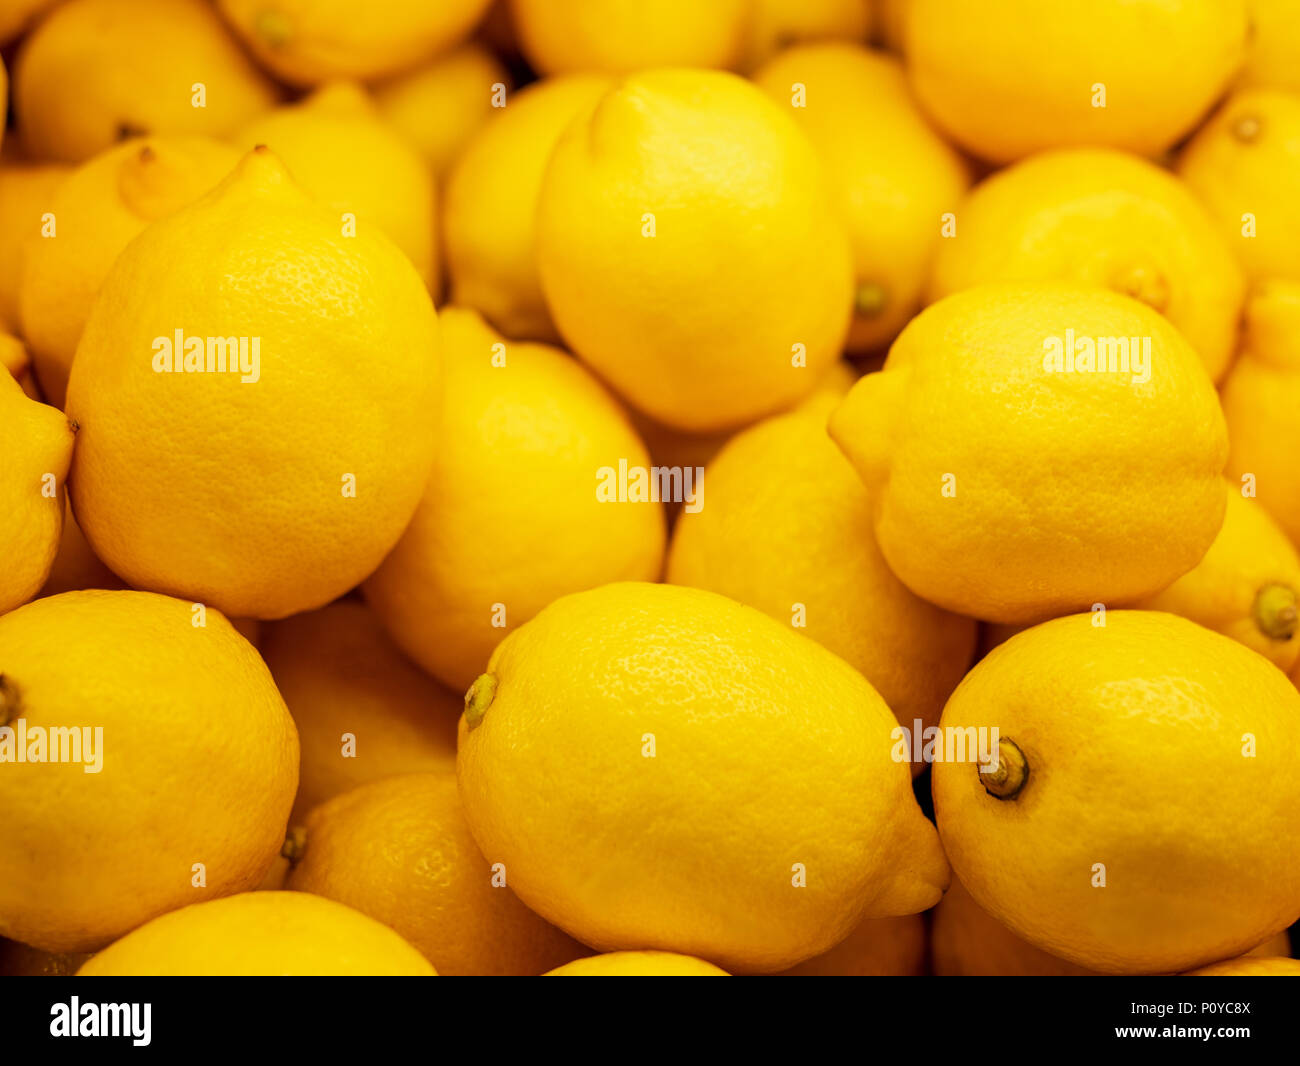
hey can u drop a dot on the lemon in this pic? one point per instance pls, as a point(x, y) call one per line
point(306, 42)
point(894, 176)
point(26, 194)
point(17, 15)
point(338, 148)
point(620, 36)
point(1140, 817)
point(1273, 59)
point(488, 220)
point(778, 24)
point(399, 851)
point(1246, 587)
point(261, 934)
point(1005, 78)
point(91, 853)
point(1009, 488)
point(96, 212)
point(639, 964)
point(36, 448)
point(511, 516)
point(1244, 164)
point(878, 947)
point(1260, 399)
point(282, 484)
point(95, 71)
point(441, 105)
point(363, 710)
point(1247, 966)
point(786, 528)
point(684, 197)
point(1105, 218)
point(717, 784)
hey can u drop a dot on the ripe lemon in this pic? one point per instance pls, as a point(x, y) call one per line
point(716, 783)
point(1008, 488)
point(98, 210)
point(399, 851)
point(441, 105)
point(1244, 164)
point(36, 443)
point(267, 491)
point(95, 71)
point(639, 964)
point(17, 15)
point(878, 947)
point(1104, 218)
point(1260, 399)
point(90, 855)
point(1005, 78)
point(1273, 59)
point(685, 196)
point(1246, 587)
point(338, 148)
point(511, 517)
point(261, 934)
point(26, 194)
point(306, 42)
point(1248, 966)
point(488, 219)
point(781, 502)
point(895, 178)
point(778, 24)
point(362, 709)
point(1141, 817)
point(620, 36)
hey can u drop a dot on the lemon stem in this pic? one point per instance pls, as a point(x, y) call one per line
point(479, 698)
point(869, 299)
point(295, 844)
point(1277, 612)
point(1009, 776)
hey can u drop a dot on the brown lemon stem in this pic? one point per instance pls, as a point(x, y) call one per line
point(8, 700)
point(295, 844)
point(1277, 611)
point(479, 698)
point(1008, 778)
point(869, 299)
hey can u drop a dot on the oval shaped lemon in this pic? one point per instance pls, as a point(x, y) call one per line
point(638, 964)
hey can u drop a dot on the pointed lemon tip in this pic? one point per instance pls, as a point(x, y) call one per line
point(479, 698)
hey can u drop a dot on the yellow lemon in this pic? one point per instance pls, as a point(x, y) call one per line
point(1105, 218)
point(1011, 484)
point(1260, 399)
point(777, 24)
point(785, 526)
point(399, 851)
point(338, 148)
point(1140, 814)
point(1005, 78)
point(620, 36)
point(878, 947)
point(280, 464)
point(96, 213)
point(690, 251)
point(88, 849)
point(306, 42)
point(362, 709)
point(261, 934)
point(36, 446)
point(718, 784)
point(1273, 59)
point(17, 15)
point(1248, 966)
point(1244, 164)
point(1246, 587)
point(441, 105)
point(26, 195)
point(488, 219)
point(512, 515)
point(95, 71)
point(639, 964)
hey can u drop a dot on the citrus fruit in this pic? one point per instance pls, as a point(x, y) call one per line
point(1005, 78)
point(685, 195)
point(26, 194)
point(97, 211)
point(287, 477)
point(511, 516)
point(894, 177)
point(95, 71)
point(1248, 966)
point(488, 220)
point(878, 947)
point(776, 25)
point(685, 745)
point(1273, 58)
point(399, 851)
point(261, 934)
point(88, 850)
point(362, 709)
point(1139, 816)
point(638, 964)
point(1105, 218)
point(1007, 487)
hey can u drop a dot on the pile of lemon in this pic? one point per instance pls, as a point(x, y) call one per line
point(842, 517)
